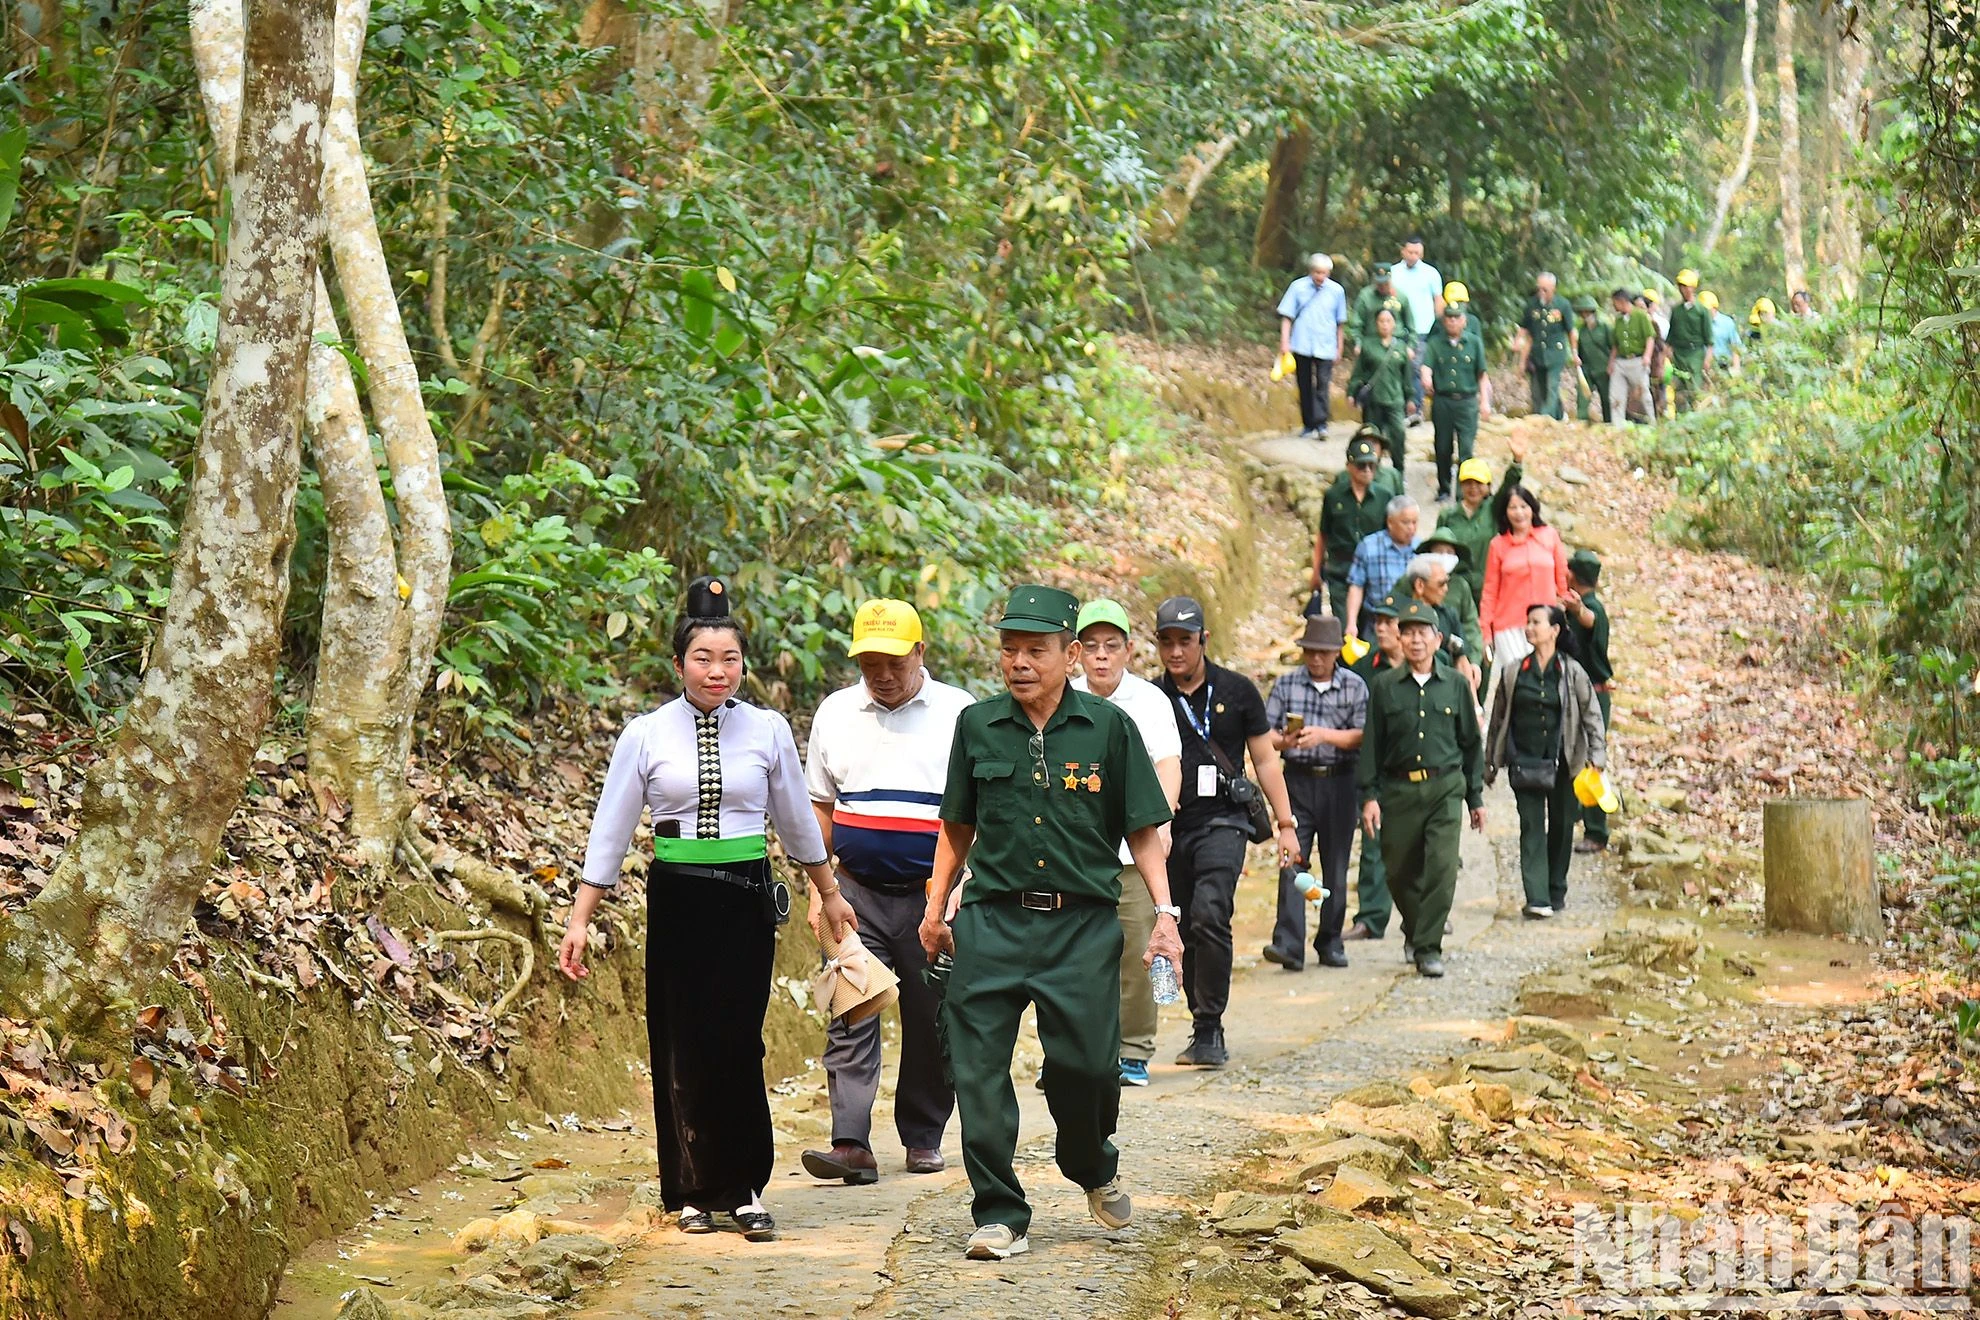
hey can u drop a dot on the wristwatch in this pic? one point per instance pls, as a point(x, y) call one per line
point(1168, 910)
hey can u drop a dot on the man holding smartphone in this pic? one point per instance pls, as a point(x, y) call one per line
point(1316, 713)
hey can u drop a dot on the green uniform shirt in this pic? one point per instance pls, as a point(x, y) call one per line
point(1372, 664)
point(1458, 617)
point(1593, 642)
point(1369, 304)
point(1428, 726)
point(1548, 324)
point(1386, 368)
point(1633, 333)
point(1596, 340)
point(1472, 324)
point(1052, 819)
point(1536, 710)
point(1344, 521)
point(1454, 368)
point(1474, 531)
point(1691, 328)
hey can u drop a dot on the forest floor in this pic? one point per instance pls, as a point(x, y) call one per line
point(1654, 1045)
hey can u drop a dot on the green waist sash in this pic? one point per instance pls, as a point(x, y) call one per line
point(709, 852)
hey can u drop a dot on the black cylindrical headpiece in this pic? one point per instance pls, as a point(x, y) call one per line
point(707, 598)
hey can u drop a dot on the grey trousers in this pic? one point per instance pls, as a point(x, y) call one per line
point(1138, 1012)
point(889, 927)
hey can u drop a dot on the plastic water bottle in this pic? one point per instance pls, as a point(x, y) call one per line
point(1162, 980)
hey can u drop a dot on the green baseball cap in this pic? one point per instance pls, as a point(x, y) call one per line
point(1102, 611)
point(1415, 611)
point(1382, 269)
point(1584, 304)
point(1385, 607)
point(1039, 609)
point(1586, 565)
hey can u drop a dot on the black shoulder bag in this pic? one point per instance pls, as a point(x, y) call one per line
point(1238, 790)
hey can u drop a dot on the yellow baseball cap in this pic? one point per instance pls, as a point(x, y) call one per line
point(1761, 310)
point(1650, 295)
point(1688, 276)
point(1456, 292)
point(1475, 469)
point(1709, 299)
point(888, 627)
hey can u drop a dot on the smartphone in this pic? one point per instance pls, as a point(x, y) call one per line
point(1294, 723)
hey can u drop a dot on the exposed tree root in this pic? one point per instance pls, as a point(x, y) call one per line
point(507, 937)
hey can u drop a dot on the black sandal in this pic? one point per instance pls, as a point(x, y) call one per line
point(697, 1221)
point(756, 1225)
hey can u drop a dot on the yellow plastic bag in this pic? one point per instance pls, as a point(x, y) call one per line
point(1283, 367)
point(1352, 649)
point(1592, 789)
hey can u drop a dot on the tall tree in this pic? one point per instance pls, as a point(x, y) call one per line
point(1730, 185)
point(152, 810)
point(1276, 245)
point(1794, 260)
point(1841, 255)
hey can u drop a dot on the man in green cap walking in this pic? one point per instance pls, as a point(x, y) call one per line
point(1546, 342)
point(1593, 344)
point(1588, 621)
point(1355, 505)
point(1380, 296)
point(1454, 372)
point(1044, 783)
point(1422, 764)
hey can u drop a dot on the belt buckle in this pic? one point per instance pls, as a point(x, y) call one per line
point(1039, 900)
point(1418, 776)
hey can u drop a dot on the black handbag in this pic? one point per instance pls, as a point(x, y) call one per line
point(1532, 775)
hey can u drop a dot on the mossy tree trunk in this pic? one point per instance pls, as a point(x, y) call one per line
point(1276, 245)
point(1794, 260)
point(153, 808)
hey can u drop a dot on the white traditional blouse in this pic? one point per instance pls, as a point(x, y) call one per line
point(666, 762)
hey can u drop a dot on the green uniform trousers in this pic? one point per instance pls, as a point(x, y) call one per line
point(1337, 589)
point(1594, 820)
point(1687, 378)
point(1067, 964)
point(1590, 390)
point(1421, 826)
point(1388, 417)
point(1546, 839)
point(1139, 1016)
point(1372, 904)
point(1544, 383)
point(1455, 425)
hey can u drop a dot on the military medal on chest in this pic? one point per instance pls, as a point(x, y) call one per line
point(1092, 780)
point(1071, 780)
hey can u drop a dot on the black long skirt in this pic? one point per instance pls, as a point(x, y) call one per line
point(708, 959)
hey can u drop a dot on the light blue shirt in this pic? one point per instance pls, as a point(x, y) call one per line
point(1421, 286)
point(1317, 312)
point(1725, 335)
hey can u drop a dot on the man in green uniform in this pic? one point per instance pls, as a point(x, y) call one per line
point(1422, 764)
point(1044, 782)
point(1353, 507)
point(1588, 621)
point(1435, 583)
point(1372, 904)
point(1592, 344)
point(1546, 342)
point(1634, 345)
point(1453, 370)
point(1380, 383)
point(1690, 343)
point(1469, 523)
point(1378, 297)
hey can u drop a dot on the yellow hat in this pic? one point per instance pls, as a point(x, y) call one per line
point(1456, 292)
point(888, 627)
point(1709, 299)
point(1475, 469)
point(1688, 276)
point(1650, 295)
point(1762, 309)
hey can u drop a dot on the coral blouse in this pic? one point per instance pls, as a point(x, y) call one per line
point(1519, 575)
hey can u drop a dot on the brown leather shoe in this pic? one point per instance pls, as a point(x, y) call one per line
point(852, 1163)
point(1359, 931)
point(925, 1161)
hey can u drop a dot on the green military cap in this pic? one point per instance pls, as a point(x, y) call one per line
point(1450, 545)
point(1415, 611)
point(1382, 269)
point(1584, 304)
point(1362, 450)
point(1586, 565)
point(1039, 609)
point(1386, 607)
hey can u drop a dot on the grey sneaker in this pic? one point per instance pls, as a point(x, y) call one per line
point(998, 1242)
point(1110, 1205)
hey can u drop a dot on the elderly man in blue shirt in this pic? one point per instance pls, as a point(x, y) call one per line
point(1379, 563)
point(1311, 317)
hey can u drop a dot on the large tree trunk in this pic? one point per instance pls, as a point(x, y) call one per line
point(154, 807)
point(1276, 245)
point(1842, 255)
point(1820, 859)
point(1171, 206)
point(1794, 260)
point(384, 729)
point(1730, 185)
point(364, 624)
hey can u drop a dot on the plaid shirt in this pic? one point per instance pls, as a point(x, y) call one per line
point(1379, 563)
point(1344, 705)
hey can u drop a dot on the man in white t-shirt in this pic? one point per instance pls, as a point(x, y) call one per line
point(1104, 655)
point(876, 764)
point(1418, 280)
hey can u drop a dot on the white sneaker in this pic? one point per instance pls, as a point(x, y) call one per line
point(1537, 911)
point(996, 1242)
point(1110, 1205)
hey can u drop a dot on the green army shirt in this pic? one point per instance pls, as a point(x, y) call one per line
point(1633, 333)
point(1454, 368)
point(1369, 304)
point(1548, 324)
point(1458, 617)
point(1344, 520)
point(1050, 807)
point(1372, 664)
point(1474, 531)
point(1472, 324)
point(1421, 726)
point(1596, 341)
point(1385, 367)
point(1691, 329)
point(1593, 642)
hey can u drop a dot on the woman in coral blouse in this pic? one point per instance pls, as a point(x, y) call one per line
point(1525, 565)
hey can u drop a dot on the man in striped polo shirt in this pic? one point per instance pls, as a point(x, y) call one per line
point(876, 763)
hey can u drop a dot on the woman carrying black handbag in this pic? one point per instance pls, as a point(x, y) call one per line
point(1545, 728)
